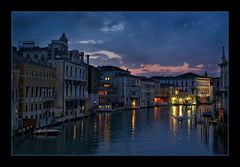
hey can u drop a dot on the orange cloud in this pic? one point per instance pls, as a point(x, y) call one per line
point(158, 68)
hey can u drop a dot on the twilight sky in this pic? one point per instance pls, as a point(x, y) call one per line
point(147, 43)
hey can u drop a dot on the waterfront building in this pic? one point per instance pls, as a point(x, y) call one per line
point(148, 92)
point(71, 79)
point(128, 91)
point(224, 88)
point(215, 82)
point(16, 120)
point(36, 88)
point(109, 86)
point(190, 86)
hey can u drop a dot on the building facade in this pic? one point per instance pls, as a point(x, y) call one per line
point(36, 92)
point(71, 88)
point(189, 88)
point(148, 93)
point(93, 85)
point(224, 88)
point(128, 91)
point(16, 121)
point(108, 88)
point(71, 79)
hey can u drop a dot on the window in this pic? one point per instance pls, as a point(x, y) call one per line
point(107, 78)
point(36, 91)
point(49, 56)
point(31, 107)
point(36, 56)
point(27, 89)
point(17, 94)
point(71, 72)
point(36, 73)
point(31, 117)
point(26, 108)
point(35, 107)
point(75, 72)
point(32, 92)
point(27, 72)
point(32, 72)
point(67, 71)
point(40, 74)
point(80, 72)
point(40, 116)
point(28, 56)
point(40, 93)
point(83, 74)
point(83, 90)
point(40, 106)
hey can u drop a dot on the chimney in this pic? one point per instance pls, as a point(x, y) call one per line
point(87, 59)
point(205, 74)
point(81, 55)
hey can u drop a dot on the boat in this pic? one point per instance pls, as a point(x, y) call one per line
point(47, 132)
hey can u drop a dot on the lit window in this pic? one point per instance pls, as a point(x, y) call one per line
point(107, 85)
point(107, 78)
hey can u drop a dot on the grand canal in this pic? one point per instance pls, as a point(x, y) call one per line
point(150, 131)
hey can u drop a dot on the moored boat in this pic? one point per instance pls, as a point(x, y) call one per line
point(47, 132)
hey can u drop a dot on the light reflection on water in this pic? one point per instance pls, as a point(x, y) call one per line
point(150, 131)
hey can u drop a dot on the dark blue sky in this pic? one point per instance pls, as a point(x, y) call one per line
point(147, 43)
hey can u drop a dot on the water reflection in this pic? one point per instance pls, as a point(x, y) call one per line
point(133, 124)
point(154, 131)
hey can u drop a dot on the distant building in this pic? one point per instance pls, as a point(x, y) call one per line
point(224, 87)
point(189, 85)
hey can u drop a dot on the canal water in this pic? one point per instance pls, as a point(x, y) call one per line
point(149, 132)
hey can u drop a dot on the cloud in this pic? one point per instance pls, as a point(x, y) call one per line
point(199, 66)
point(112, 28)
point(91, 41)
point(105, 57)
point(105, 54)
point(158, 68)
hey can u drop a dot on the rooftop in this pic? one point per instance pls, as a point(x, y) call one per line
point(111, 68)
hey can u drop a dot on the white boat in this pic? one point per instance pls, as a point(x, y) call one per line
point(47, 132)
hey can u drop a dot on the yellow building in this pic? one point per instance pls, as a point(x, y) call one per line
point(36, 92)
